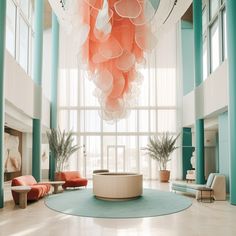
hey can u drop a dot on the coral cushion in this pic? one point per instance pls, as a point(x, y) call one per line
point(37, 190)
point(67, 175)
point(73, 179)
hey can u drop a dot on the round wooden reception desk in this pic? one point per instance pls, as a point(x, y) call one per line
point(117, 186)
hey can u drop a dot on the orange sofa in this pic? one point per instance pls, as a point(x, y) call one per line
point(73, 179)
point(37, 191)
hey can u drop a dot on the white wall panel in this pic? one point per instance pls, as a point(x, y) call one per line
point(212, 97)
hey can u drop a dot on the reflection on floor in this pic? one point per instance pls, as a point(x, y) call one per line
point(216, 219)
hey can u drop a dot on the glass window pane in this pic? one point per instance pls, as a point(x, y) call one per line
point(11, 27)
point(109, 126)
point(32, 55)
point(153, 121)
point(215, 51)
point(93, 154)
point(63, 120)
point(128, 124)
point(24, 44)
point(32, 7)
point(166, 121)
point(73, 161)
point(127, 153)
point(166, 87)
point(143, 121)
point(89, 89)
point(109, 142)
point(144, 91)
point(73, 121)
point(153, 89)
point(73, 88)
point(112, 158)
point(82, 120)
point(204, 58)
point(62, 97)
point(214, 6)
point(224, 35)
point(145, 160)
point(24, 5)
point(204, 20)
point(92, 121)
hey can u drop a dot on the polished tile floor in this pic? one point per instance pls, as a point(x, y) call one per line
point(206, 219)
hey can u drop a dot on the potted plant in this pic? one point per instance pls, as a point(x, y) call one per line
point(62, 147)
point(159, 148)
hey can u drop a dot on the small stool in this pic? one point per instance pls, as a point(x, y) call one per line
point(23, 191)
point(206, 189)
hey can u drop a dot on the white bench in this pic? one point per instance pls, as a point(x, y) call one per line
point(215, 181)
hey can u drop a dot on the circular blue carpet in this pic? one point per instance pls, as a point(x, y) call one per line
point(151, 203)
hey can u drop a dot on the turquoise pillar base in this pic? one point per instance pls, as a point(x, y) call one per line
point(36, 164)
point(200, 161)
point(187, 151)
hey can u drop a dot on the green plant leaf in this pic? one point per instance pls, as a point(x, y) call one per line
point(61, 145)
point(159, 148)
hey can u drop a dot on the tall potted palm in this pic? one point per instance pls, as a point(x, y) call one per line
point(62, 147)
point(159, 148)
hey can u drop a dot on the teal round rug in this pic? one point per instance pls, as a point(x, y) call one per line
point(83, 203)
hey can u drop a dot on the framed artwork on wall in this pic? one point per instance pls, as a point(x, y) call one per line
point(12, 162)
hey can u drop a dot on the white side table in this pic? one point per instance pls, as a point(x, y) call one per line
point(23, 191)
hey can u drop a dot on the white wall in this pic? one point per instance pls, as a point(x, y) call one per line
point(212, 97)
point(26, 153)
point(188, 117)
point(22, 98)
point(19, 87)
point(210, 140)
point(21, 94)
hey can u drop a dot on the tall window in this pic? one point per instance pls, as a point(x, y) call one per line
point(11, 27)
point(224, 35)
point(19, 32)
point(24, 42)
point(215, 50)
point(214, 6)
point(214, 35)
point(116, 145)
point(204, 36)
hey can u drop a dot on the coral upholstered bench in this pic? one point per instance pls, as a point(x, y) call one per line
point(38, 190)
point(73, 179)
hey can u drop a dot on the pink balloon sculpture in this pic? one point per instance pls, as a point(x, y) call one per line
point(116, 35)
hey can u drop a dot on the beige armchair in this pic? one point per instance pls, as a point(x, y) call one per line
point(215, 181)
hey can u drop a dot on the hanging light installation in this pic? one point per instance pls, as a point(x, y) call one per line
point(112, 37)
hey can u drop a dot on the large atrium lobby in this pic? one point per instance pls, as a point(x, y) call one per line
point(118, 117)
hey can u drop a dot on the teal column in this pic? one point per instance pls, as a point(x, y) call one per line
point(187, 56)
point(53, 109)
point(198, 77)
point(37, 77)
point(2, 97)
point(187, 151)
point(231, 46)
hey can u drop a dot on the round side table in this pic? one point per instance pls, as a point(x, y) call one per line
point(23, 191)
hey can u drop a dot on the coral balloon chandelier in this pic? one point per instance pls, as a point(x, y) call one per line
point(112, 37)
